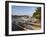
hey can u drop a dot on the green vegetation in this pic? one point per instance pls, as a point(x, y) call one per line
point(37, 13)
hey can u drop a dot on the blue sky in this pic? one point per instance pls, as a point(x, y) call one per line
point(23, 10)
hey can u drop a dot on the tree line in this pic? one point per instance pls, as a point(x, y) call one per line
point(37, 13)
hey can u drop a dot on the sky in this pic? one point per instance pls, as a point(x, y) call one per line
point(23, 10)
